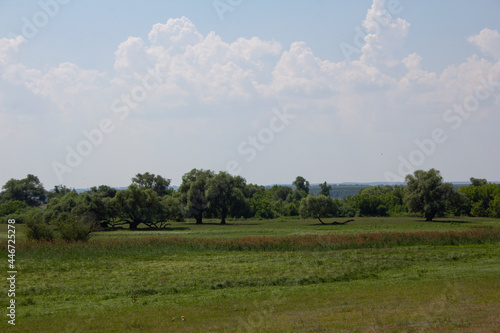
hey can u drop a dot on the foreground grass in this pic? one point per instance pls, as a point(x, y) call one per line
point(434, 281)
point(444, 288)
point(449, 304)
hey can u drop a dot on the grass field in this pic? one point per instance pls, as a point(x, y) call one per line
point(371, 275)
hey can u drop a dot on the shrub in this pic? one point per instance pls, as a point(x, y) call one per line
point(72, 228)
point(36, 229)
point(17, 217)
point(494, 207)
point(12, 207)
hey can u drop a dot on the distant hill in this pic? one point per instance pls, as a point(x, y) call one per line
point(83, 190)
point(339, 190)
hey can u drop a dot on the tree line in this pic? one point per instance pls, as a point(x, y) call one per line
point(151, 202)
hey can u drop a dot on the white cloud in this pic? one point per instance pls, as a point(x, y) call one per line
point(197, 68)
point(9, 47)
point(175, 35)
point(130, 55)
point(386, 36)
point(212, 91)
point(297, 72)
point(488, 42)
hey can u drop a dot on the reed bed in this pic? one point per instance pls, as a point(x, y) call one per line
point(150, 245)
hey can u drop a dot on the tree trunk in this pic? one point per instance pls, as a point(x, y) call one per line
point(223, 217)
point(335, 222)
point(134, 224)
point(341, 223)
point(429, 216)
point(199, 219)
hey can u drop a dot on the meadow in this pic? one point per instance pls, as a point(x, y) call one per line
point(371, 275)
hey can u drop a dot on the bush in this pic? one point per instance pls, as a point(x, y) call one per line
point(12, 207)
point(74, 228)
point(36, 229)
point(23, 217)
point(19, 218)
point(494, 207)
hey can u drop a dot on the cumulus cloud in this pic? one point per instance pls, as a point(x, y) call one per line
point(130, 55)
point(386, 35)
point(488, 42)
point(368, 100)
point(205, 68)
point(9, 47)
point(298, 71)
point(175, 35)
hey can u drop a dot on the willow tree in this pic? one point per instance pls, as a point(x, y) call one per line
point(427, 194)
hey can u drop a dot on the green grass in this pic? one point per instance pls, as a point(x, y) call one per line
point(288, 227)
point(138, 281)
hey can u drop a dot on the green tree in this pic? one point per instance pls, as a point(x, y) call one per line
point(139, 205)
point(428, 194)
point(224, 193)
point(379, 201)
point(346, 207)
point(369, 204)
point(58, 191)
point(494, 207)
point(12, 207)
point(193, 189)
point(261, 205)
point(148, 180)
point(29, 190)
point(325, 189)
point(100, 202)
point(478, 181)
point(479, 196)
point(244, 208)
point(279, 192)
point(278, 196)
point(319, 207)
point(71, 215)
point(173, 208)
point(61, 208)
point(301, 184)
point(250, 189)
point(103, 191)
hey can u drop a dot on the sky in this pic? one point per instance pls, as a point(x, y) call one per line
point(94, 92)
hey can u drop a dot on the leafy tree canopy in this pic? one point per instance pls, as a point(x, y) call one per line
point(193, 189)
point(428, 194)
point(29, 190)
point(325, 189)
point(148, 180)
point(319, 207)
point(301, 184)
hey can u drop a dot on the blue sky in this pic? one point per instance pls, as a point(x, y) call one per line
point(266, 92)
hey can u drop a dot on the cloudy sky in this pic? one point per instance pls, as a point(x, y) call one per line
point(94, 92)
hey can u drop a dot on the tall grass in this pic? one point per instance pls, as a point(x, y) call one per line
point(150, 245)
